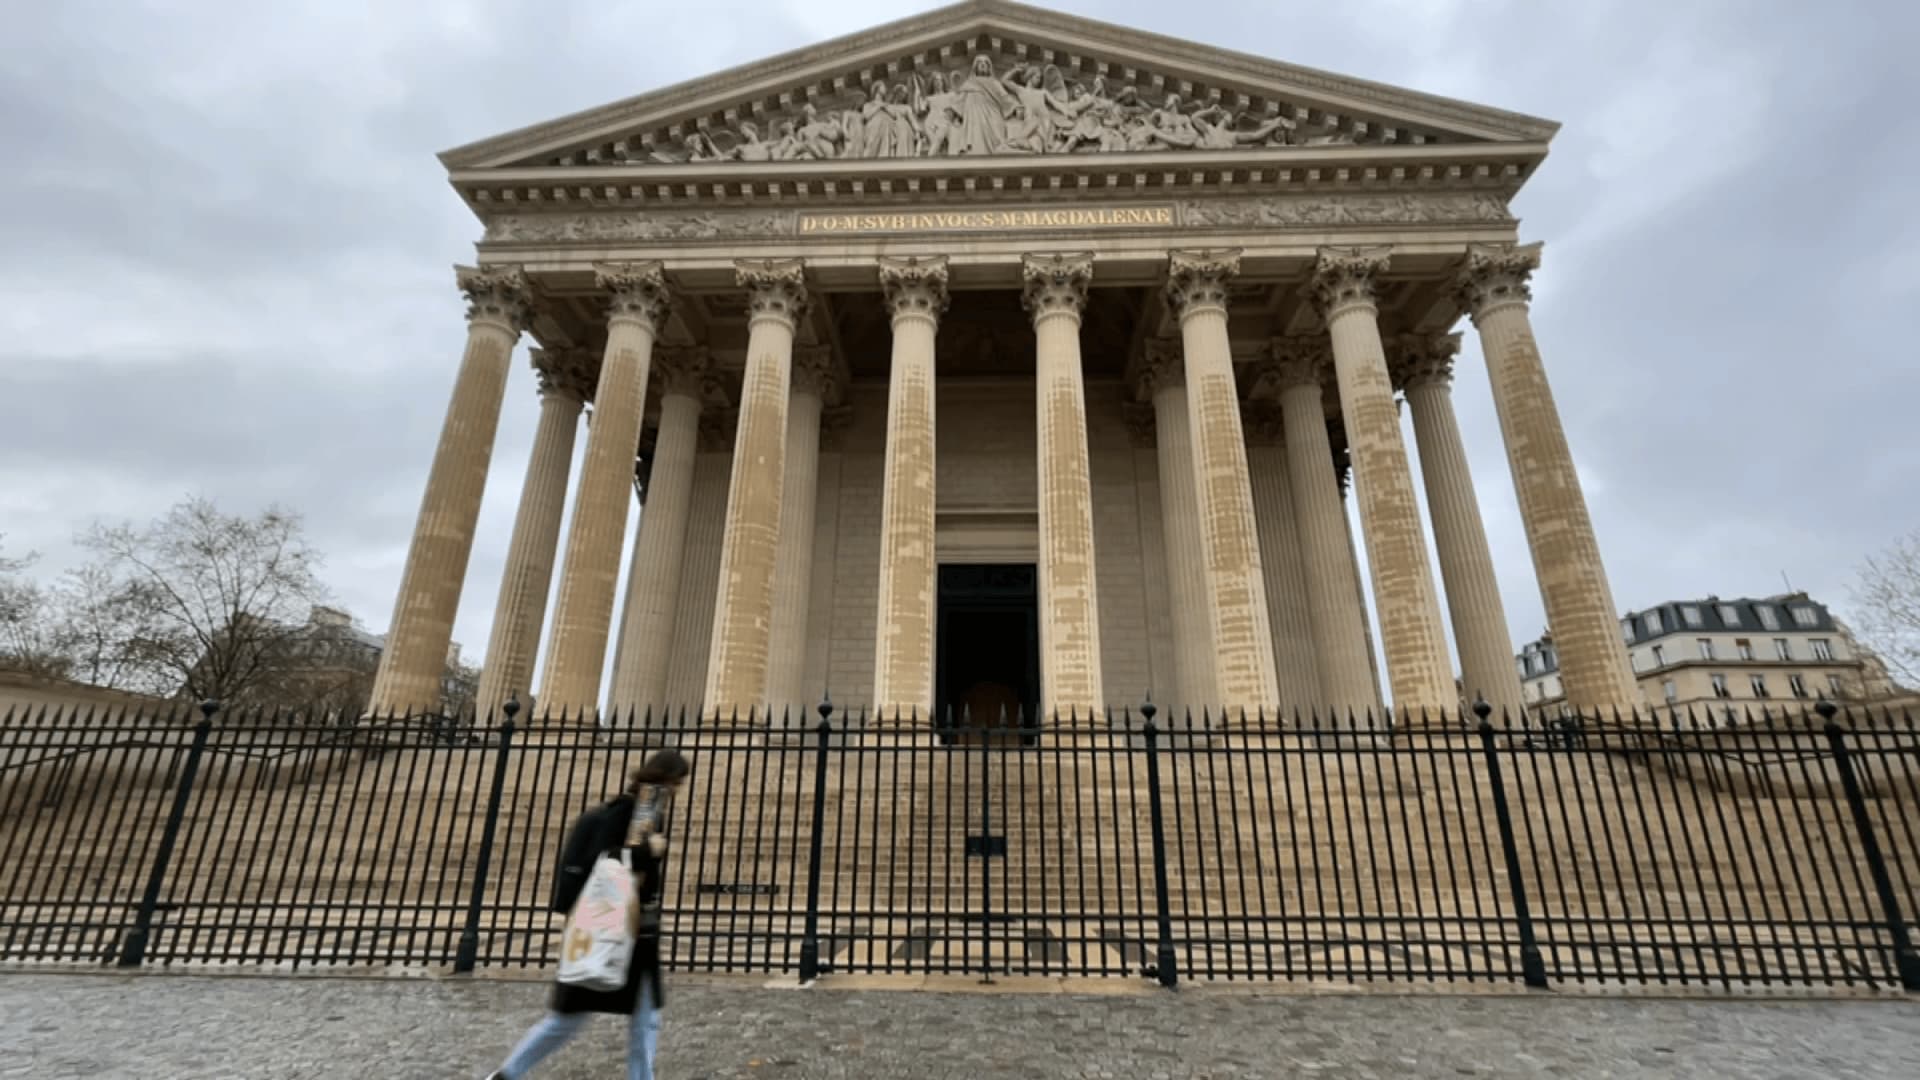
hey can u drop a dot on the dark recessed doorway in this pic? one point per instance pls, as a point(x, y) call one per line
point(987, 652)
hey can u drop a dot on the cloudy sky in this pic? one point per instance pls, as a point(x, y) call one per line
point(225, 246)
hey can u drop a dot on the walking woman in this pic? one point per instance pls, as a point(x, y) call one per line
point(636, 820)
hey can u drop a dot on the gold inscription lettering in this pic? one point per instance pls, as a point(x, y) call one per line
point(987, 220)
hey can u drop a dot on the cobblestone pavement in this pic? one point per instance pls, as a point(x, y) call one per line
point(54, 1026)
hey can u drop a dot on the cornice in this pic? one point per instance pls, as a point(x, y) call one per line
point(969, 20)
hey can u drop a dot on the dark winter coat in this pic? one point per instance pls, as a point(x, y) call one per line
point(602, 831)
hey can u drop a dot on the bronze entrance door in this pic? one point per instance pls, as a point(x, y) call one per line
point(987, 649)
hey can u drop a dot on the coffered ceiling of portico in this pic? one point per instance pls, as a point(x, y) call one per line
point(989, 100)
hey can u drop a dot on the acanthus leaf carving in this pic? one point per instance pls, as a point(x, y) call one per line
point(661, 225)
point(1055, 284)
point(915, 286)
point(1344, 277)
point(1494, 275)
point(1298, 211)
point(496, 293)
point(1415, 359)
point(639, 292)
point(776, 289)
point(1197, 280)
point(569, 371)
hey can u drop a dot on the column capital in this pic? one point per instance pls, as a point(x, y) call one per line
point(1297, 360)
point(1343, 277)
point(1420, 359)
point(1495, 275)
point(815, 372)
point(1262, 422)
point(1056, 284)
point(496, 294)
point(776, 289)
point(639, 292)
point(1163, 365)
point(565, 373)
point(915, 286)
point(682, 370)
point(717, 429)
point(1197, 280)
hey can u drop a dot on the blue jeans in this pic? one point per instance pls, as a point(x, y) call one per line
point(555, 1030)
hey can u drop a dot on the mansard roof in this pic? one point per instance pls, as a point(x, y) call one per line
point(1266, 109)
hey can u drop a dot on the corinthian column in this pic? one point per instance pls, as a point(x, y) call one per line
point(1492, 287)
point(916, 295)
point(1165, 376)
point(813, 374)
point(522, 607)
point(1479, 619)
point(1417, 665)
point(577, 644)
point(1320, 522)
point(1237, 601)
point(1055, 294)
point(415, 657)
point(653, 578)
point(749, 550)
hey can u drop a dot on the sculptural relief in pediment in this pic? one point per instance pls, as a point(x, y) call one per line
point(1027, 108)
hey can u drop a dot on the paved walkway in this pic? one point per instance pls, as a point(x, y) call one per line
point(179, 1027)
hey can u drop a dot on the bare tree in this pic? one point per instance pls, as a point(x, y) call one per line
point(212, 604)
point(1886, 599)
point(29, 637)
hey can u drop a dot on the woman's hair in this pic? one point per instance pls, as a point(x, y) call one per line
point(661, 767)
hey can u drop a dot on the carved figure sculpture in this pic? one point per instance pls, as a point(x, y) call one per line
point(1032, 109)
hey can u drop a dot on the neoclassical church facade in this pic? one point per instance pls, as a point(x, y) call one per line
point(996, 360)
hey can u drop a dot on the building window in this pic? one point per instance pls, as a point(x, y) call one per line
point(1729, 614)
point(1670, 690)
point(1526, 663)
point(1782, 649)
point(1759, 684)
point(1626, 630)
point(1691, 613)
point(1822, 648)
point(1744, 648)
point(1798, 685)
point(1653, 623)
point(1768, 617)
point(1706, 648)
point(1833, 686)
point(1719, 685)
point(1805, 616)
point(1659, 656)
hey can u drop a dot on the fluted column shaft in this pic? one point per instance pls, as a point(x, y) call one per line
point(916, 295)
point(1055, 294)
point(1459, 536)
point(749, 551)
point(1241, 633)
point(1418, 668)
point(522, 606)
point(1566, 554)
point(589, 576)
point(1295, 673)
point(415, 657)
point(1333, 585)
point(787, 661)
point(653, 577)
point(1193, 686)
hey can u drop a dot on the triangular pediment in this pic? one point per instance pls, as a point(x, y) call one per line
point(993, 79)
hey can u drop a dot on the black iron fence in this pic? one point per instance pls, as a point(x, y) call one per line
point(1636, 850)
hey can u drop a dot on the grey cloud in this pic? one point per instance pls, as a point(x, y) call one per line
point(227, 243)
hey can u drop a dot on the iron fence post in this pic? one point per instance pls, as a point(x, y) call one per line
point(1532, 967)
point(810, 933)
point(133, 949)
point(1906, 963)
point(469, 953)
point(1166, 967)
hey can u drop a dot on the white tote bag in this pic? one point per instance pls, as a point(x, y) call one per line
point(596, 946)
